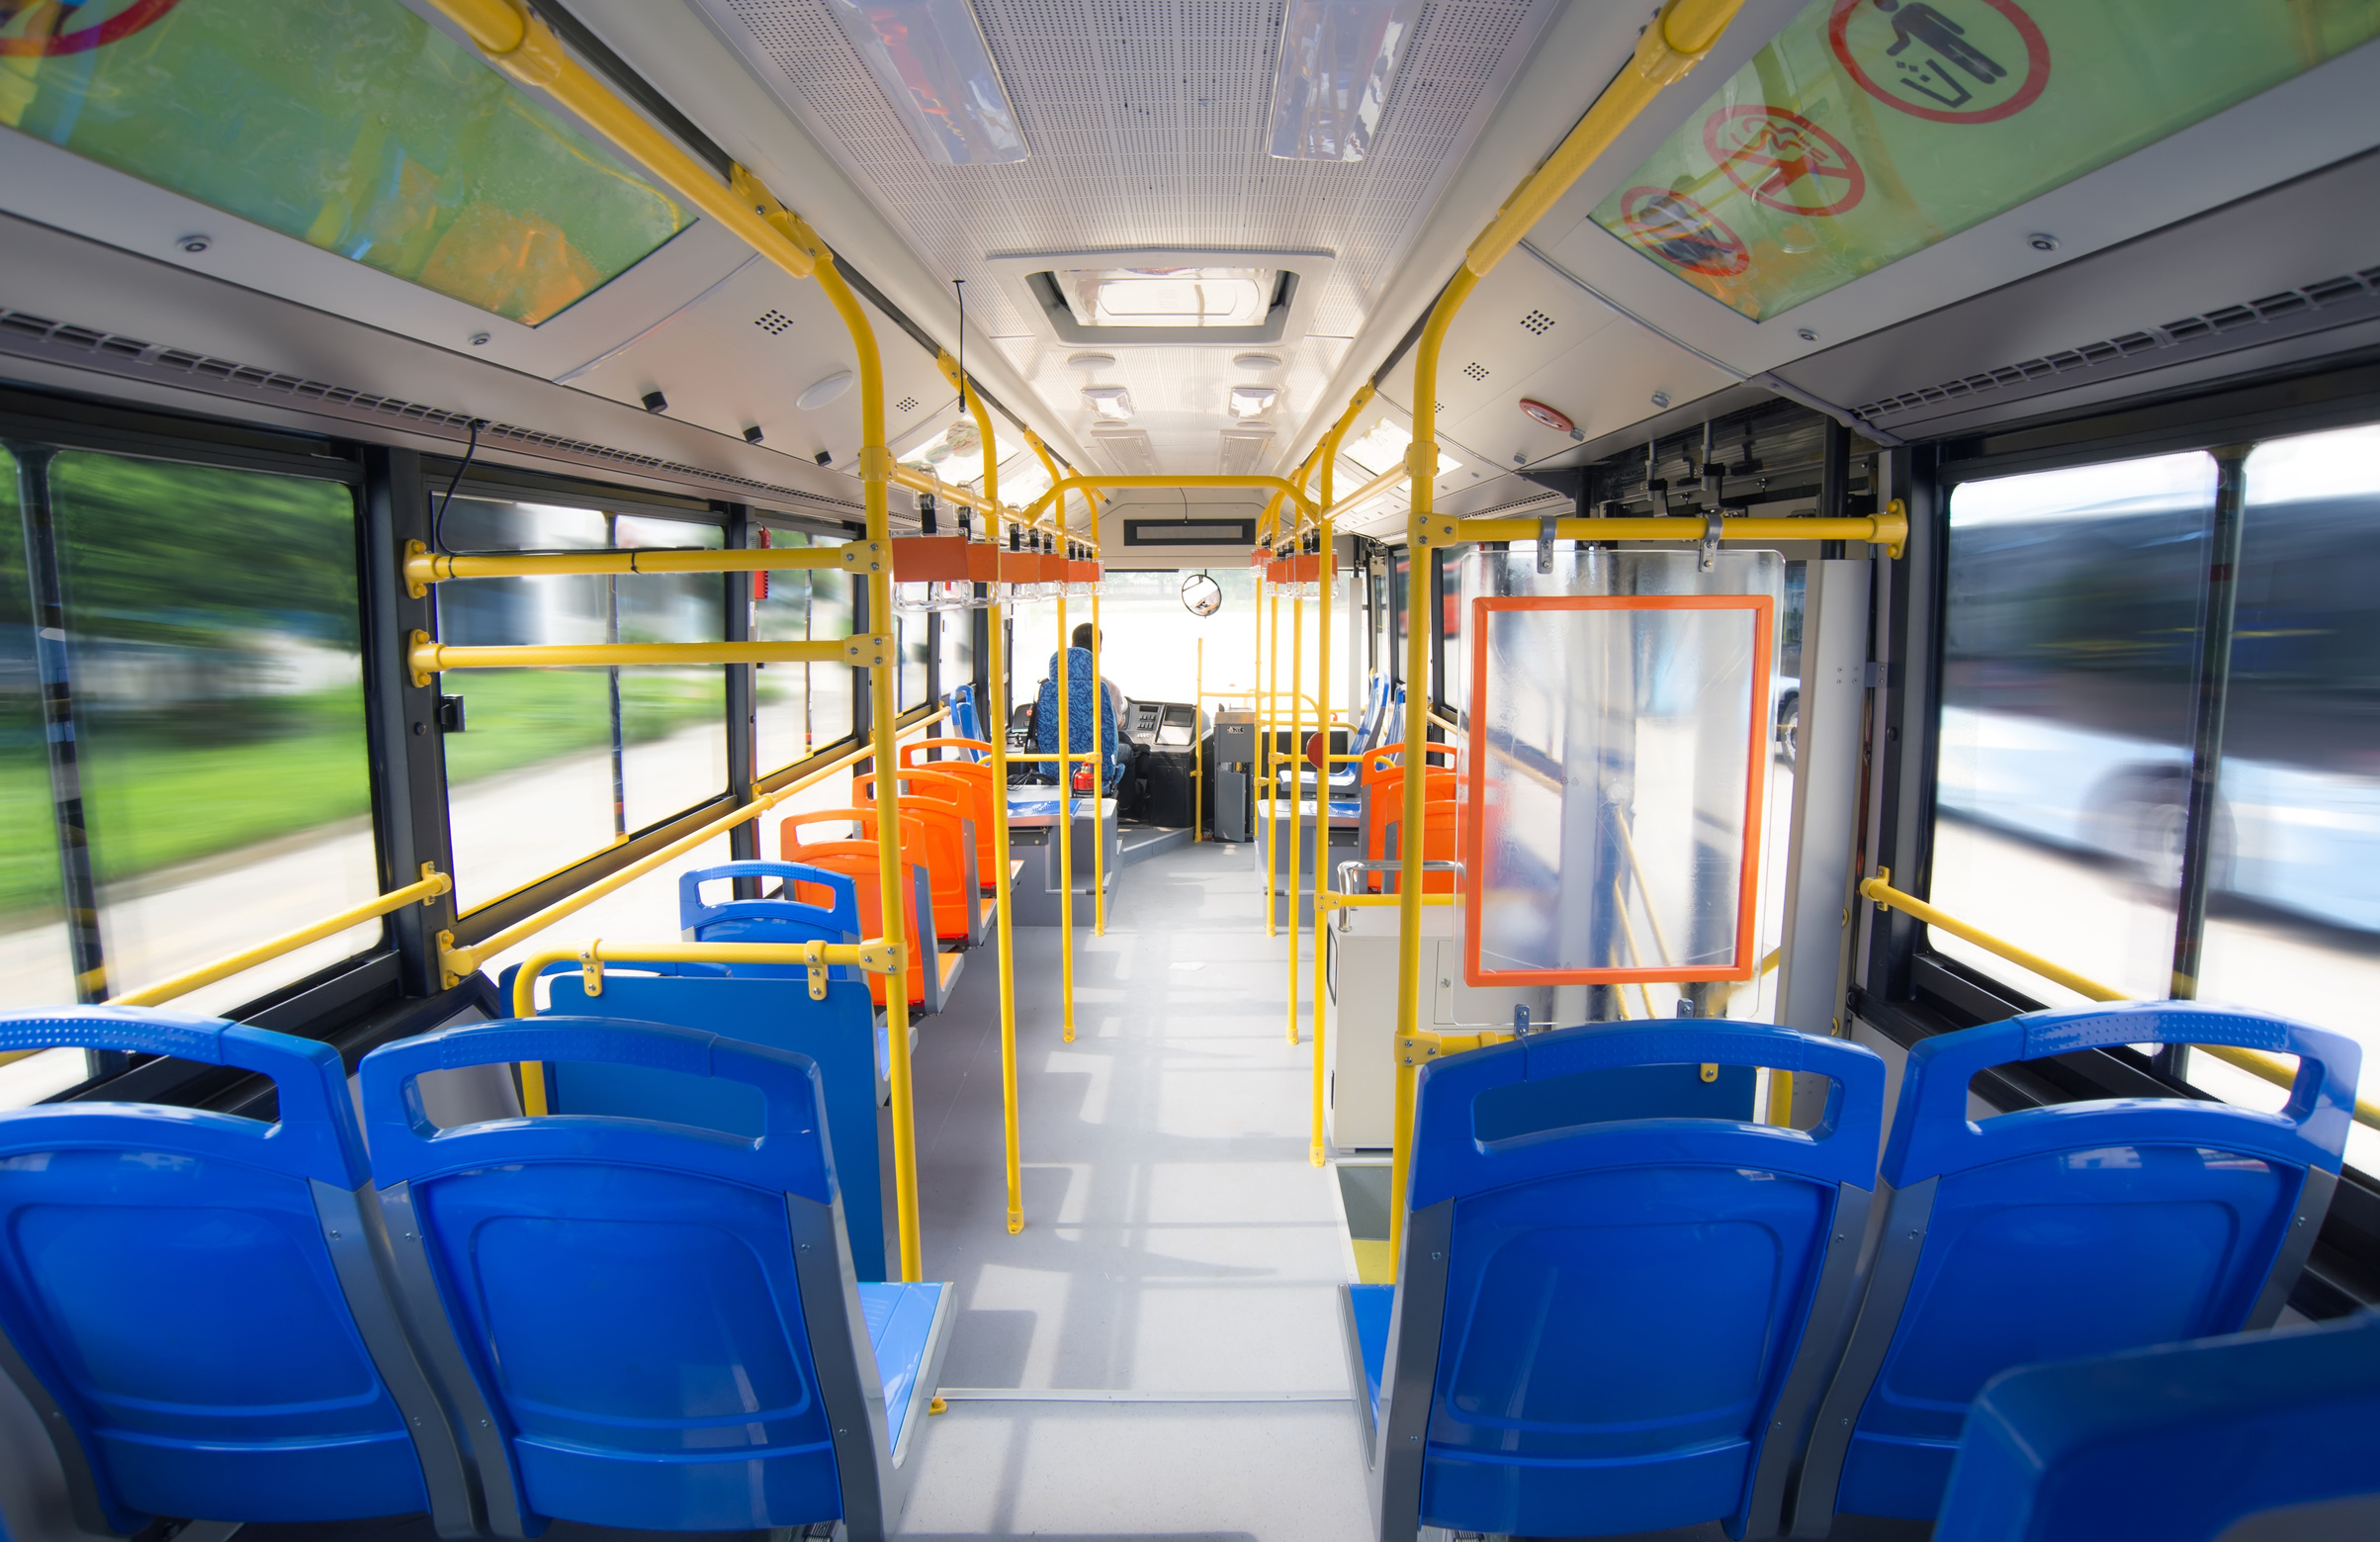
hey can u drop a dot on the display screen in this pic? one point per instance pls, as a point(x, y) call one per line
point(351, 124)
point(1870, 130)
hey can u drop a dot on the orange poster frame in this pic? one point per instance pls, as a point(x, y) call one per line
point(1763, 610)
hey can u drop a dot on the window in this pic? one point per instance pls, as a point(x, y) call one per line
point(802, 707)
point(2070, 608)
point(2293, 921)
point(954, 649)
point(2072, 630)
point(353, 126)
point(216, 669)
point(554, 765)
point(908, 642)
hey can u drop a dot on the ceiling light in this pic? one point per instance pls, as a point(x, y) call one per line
point(1257, 362)
point(819, 393)
point(1113, 402)
point(929, 57)
point(1168, 297)
point(1091, 361)
point(1380, 449)
point(1338, 59)
point(1250, 400)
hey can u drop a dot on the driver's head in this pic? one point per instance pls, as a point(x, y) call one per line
point(1082, 636)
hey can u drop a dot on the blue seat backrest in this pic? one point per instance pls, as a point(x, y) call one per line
point(196, 1294)
point(1619, 1306)
point(2175, 1443)
point(2072, 1229)
point(758, 1004)
point(785, 917)
point(965, 721)
point(659, 1322)
point(1081, 692)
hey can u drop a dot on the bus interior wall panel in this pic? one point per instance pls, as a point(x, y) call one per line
point(2211, 296)
point(91, 311)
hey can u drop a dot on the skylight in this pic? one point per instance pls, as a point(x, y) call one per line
point(1168, 297)
point(351, 124)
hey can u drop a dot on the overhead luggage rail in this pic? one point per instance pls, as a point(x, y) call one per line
point(2258, 1064)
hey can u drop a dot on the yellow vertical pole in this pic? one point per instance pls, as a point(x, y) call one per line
point(1064, 836)
point(1268, 696)
point(1198, 749)
point(875, 468)
point(1099, 782)
point(996, 731)
point(1297, 658)
point(1326, 456)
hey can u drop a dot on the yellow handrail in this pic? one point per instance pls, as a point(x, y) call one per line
point(427, 656)
point(1278, 485)
point(872, 956)
point(431, 884)
point(457, 962)
point(423, 567)
point(1679, 37)
point(2264, 1067)
point(1325, 458)
point(1889, 529)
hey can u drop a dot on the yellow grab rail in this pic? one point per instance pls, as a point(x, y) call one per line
point(1889, 529)
point(457, 962)
point(2262, 1066)
point(873, 956)
point(424, 567)
point(427, 656)
point(431, 884)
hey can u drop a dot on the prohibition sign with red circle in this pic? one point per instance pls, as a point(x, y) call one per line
point(2037, 65)
point(132, 19)
point(1765, 151)
point(1682, 233)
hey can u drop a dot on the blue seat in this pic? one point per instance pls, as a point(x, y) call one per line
point(1082, 689)
point(965, 721)
point(2177, 1444)
point(2074, 1229)
point(659, 1326)
point(758, 1004)
point(193, 1300)
point(1600, 1325)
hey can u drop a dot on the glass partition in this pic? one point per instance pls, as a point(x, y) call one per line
point(218, 683)
point(555, 765)
point(351, 124)
point(802, 707)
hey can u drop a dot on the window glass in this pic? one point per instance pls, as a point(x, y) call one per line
point(217, 673)
point(36, 968)
point(2293, 914)
point(351, 124)
point(802, 707)
point(955, 648)
point(908, 641)
point(554, 765)
point(1153, 647)
point(2068, 619)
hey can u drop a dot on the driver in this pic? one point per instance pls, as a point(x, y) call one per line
point(1116, 700)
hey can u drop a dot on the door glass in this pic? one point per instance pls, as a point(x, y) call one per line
point(216, 670)
point(555, 765)
point(2070, 619)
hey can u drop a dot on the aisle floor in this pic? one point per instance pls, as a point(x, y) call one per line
point(1156, 1353)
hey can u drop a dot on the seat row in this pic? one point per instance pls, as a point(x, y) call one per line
point(625, 1322)
point(1608, 1325)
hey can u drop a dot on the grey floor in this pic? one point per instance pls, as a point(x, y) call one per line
point(1180, 1250)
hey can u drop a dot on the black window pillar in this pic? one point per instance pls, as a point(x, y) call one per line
point(50, 655)
point(408, 764)
point(742, 695)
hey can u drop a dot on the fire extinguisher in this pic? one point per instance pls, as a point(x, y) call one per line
point(1081, 778)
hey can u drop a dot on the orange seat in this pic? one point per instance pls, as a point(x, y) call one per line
point(935, 830)
point(1384, 792)
point(976, 793)
point(858, 858)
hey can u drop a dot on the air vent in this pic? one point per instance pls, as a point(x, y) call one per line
point(1537, 323)
point(907, 403)
point(1474, 371)
point(774, 323)
point(37, 338)
point(1128, 448)
point(2201, 330)
point(1240, 452)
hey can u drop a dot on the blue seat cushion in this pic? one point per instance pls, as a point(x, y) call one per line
point(1371, 1307)
point(901, 1331)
